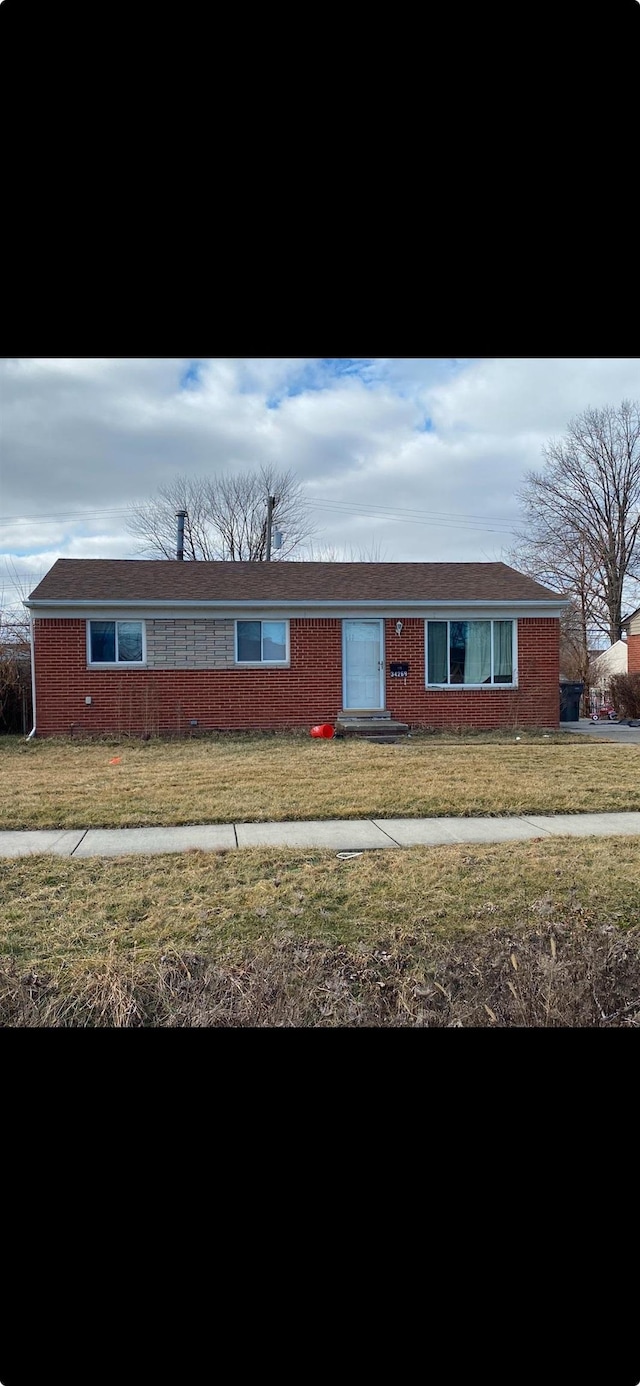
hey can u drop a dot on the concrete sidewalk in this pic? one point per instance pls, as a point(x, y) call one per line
point(346, 835)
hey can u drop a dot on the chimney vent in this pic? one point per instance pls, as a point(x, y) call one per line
point(181, 517)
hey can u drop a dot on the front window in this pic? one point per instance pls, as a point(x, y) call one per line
point(115, 642)
point(470, 652)
point(261, 642)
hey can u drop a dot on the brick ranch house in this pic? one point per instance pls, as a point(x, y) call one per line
point(631, 625)
point(150, 647)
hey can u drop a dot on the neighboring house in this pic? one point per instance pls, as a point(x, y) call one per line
point(159, 646)
point(632, 626)
point(603, 667)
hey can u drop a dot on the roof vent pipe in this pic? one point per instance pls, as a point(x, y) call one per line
point(181, 517)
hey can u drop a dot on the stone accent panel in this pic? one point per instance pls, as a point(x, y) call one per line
point(206, 643)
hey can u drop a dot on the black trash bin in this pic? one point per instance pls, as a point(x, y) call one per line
point(570, 694)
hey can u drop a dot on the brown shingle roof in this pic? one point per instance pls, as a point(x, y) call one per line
point(113, 579)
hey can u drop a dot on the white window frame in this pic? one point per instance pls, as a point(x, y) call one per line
point(117, 663)
point(494, 687)
point(262, 663)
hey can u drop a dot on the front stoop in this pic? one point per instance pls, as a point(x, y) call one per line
point(375, 726)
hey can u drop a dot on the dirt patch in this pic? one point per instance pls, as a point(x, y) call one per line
point(549, 976)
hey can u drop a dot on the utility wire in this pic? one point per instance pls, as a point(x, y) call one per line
point(391, 510)
point(363, 512)
point(349, 507)
point(60, 515)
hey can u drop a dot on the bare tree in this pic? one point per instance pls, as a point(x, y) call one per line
point(226, 516)
point(154, 521)
point(561, 561)
point(582, 516)
point(373, 552)
point(14, 618)
point(15, 650)
point(575, 645)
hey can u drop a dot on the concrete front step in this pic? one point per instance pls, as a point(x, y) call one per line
point(384, 740)
point(371, 728)
point(360, 714)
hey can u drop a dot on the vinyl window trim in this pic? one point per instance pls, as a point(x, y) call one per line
point(261, 663)
point(466, 687)
point(117, 663)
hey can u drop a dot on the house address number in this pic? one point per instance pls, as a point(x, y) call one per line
point(399, 671)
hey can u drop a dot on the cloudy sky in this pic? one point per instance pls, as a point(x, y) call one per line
point(418, 459)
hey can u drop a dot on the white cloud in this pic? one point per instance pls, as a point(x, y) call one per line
point(538, 395)
point(429, 437)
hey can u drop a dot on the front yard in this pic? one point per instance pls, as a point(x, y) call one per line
point(234, 778)
point(523, 933)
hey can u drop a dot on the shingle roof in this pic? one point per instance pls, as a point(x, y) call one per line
point(113, 579)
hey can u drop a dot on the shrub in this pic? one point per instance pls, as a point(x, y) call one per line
point(15, 688)
point(625, 692)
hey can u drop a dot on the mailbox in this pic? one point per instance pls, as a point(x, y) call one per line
point(399, 671)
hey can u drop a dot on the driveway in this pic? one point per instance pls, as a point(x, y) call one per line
point(604, 731)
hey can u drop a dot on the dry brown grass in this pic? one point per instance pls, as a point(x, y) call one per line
point(220, 779)
point(531, 933)
point(58, 912)
point(548, 976)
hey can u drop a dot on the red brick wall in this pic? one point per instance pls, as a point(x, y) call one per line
point(534, 703)
point(160, 700)
point(163, 700)
point(633, 654)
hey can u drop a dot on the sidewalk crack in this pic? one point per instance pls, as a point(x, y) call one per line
point(80, 839)
point(383, 830)
point(537, 826)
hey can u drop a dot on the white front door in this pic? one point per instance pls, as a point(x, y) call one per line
point(363, 665)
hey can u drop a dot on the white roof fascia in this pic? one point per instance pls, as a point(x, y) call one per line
point(239, 610)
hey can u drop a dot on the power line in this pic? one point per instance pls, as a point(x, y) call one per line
point(365, 511)
point(488, 528)
point(60, 515)
point(348, 507)
point(411, 510)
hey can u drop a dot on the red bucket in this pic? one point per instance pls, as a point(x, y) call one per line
point(324, 730)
